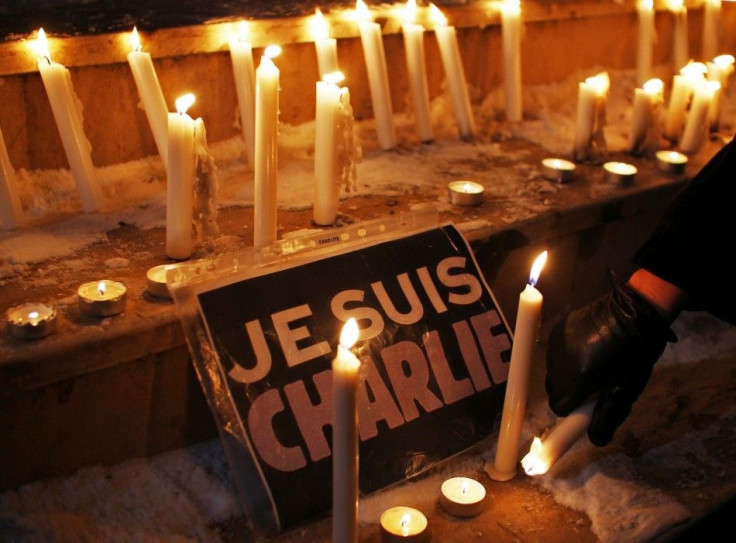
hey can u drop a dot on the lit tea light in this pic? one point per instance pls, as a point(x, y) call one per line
point(466, 193)
point(102, 298)
point(558, 169)
point(671, 162)
point(462, 496)
point(620, 172)
point(156, 281)
point(31, 320)
point(400, 524)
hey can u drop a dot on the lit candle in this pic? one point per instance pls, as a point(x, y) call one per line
point(671, 162)
point(454, 73)
point(182, 160)
point(11, 210)
point(683, 85)
point(403, 524)
point(375, 63)
point(31, 321)
point(333, 107)
point(591, 114)
point(711, 28)
point(156, 281)
point(528, 318)
point(241, 56)
point(680, 55)
point(102, 298)
point(345, 373)
point(620, 173)
point(415, 64)
point(462, 496)
point(325, 46)
point(67, 110)
point(466, 193)
point(645, 10)
point(543, 454)
point(558, 169)
point(644, 135)
point(267, 149)
point(718, 70)
point(511, 34)
point(697, 118)
point(149, 91)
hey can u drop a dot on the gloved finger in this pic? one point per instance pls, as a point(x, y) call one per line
point(610, 412)
point(565, 397)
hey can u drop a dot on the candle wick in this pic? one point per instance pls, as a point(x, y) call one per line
point(48, 59)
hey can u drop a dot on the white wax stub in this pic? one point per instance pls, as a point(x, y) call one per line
point(671, 162)
point(620, 172)
point(558, 169)
point(156, 281)
point(462, 496)
point(466, 193)
point(103, 298)
point(400, 524)
point(31, 320)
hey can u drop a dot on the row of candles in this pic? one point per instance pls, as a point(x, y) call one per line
point(59, 87)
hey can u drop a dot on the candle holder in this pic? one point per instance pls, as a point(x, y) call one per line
point(620, 173)
point(156, 281)
point(462, 497)
point(401, 524)
point(102, 298)
point(671, 162)
point(466, 193)
point(31, 320)
point(558, 169)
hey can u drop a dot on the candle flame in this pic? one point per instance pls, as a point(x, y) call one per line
point(243, 32)
point(532, 462)
point(646, 4)
point(101, 288)
point(653, 86)
point(184, 102)
point(405, 523)
point(464, 487)
point(410, 11)
point(511, 5)
point(600, 83)
point(537, 268)
point(349, 334)
point(42, 45)
point(272, 51)
point(724, 61)
point(709, 87)
point(362, 11)
point(33, 315)
point(320, 29)
point(135, 40)
point(438, 18)
point(675, 5)
point(694, 70)
point(333, 77)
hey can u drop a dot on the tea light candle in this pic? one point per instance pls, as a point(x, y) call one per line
point(621, 173)
point(462, 496)
point(102, 298)
point(528, 319)
point(149, 91)
point(415, 64)
point(466, 193)
point(325, 47)
point(558, 169)
point(156, 281)
point(31, 321)
point(671, 162)
point(401, 524)
point(67, 110)
point(375, 63)
point(543, 454)
point(241, 57)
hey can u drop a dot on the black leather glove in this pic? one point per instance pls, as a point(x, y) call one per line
point(609, 347)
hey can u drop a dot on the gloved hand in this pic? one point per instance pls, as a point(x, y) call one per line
point(609, 347)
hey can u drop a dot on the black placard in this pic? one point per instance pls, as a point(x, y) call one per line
point(437, 351)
